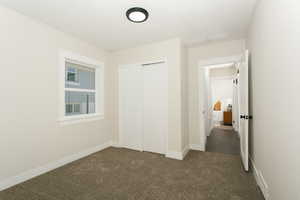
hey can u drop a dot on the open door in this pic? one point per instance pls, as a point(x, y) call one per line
point(204, 123)
point(244, 110)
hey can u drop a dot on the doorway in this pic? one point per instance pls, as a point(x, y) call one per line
point(223, 103)
point(221, 137)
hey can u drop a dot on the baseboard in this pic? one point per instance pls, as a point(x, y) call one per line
point(197, 147)
point(185, 151)
point(11, 181)
point(115, 144)
point(178, 155)
point(174, 155)
point(261, 182)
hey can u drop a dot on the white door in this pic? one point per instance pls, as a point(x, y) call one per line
point(203, 106)
point(130, 106)
point(244, 110)
point(236, 104)
point(155, 108)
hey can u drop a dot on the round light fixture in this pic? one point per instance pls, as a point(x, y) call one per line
point(137, 15)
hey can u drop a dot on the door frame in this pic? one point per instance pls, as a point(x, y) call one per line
point(166, 135)
point(207, 63)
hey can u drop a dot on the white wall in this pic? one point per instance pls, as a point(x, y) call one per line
point(195, 54)
point(30, 134)
point(274, 39)
point(222, 90)
point(170, 51)
point(222, 71)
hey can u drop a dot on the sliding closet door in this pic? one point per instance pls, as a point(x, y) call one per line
point(131, 106)
point(155, 109)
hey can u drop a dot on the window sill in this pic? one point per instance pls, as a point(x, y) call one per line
point(80, 118)
point(72, 83)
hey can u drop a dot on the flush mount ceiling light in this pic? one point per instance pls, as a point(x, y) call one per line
point(137, 15)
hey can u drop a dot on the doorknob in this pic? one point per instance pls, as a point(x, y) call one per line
point(245, 117)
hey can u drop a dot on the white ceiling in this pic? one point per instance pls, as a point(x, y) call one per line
point(103, 22)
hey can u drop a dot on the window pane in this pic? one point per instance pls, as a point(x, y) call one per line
point(79, 76)
point(71, 77)
point(79, 103)
point(69, 108)
point(77, 108)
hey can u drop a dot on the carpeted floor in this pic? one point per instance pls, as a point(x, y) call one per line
point(223, 139)
point(121, 174)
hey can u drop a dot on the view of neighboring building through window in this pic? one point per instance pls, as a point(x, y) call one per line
point(80, 89)
point(72, 75)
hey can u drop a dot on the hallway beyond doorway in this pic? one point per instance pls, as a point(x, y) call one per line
point(223, 139)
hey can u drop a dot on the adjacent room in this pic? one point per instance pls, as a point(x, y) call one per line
point(149, 100)
point(220, 113)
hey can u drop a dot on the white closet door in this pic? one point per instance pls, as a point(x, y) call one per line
point(130, 106)
point(155, 109)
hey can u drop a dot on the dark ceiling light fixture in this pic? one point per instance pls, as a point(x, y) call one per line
point(137, 14)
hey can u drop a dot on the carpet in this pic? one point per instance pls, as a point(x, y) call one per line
point(122, 174)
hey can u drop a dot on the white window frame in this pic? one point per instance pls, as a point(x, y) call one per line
point(66, 56)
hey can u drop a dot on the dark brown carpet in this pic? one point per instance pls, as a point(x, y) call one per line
point(121, 174)
point(223, 140)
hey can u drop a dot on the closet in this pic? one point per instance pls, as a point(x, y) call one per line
point(143, 107)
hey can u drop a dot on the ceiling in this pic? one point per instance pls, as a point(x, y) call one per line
point(104, 23)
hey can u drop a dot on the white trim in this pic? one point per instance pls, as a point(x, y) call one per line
point(72, 83)
point(219, 61)
point(80, 118)
point(163, 60)
point(174, 155)
point(178, 155)
point(197, 147)
point(225, 65)
point(116, 144)
point(261, 182)
point(99, 86)
point(223, 78)
point(11, 181)
point(185, 151)
point(79, 59)
point(79, 90)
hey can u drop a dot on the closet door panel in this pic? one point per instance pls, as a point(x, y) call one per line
point(155, 108)
point(131, 106)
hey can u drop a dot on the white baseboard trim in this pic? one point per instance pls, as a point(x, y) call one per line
point(174, 155)
point(11, 181)
point(178, 155)
point(197, 147)
point(261, 182)
point(185, 151)
point(116, 144)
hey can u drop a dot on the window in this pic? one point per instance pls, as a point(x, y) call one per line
point(81, 95)
point(82, 91)
point(72, 75)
